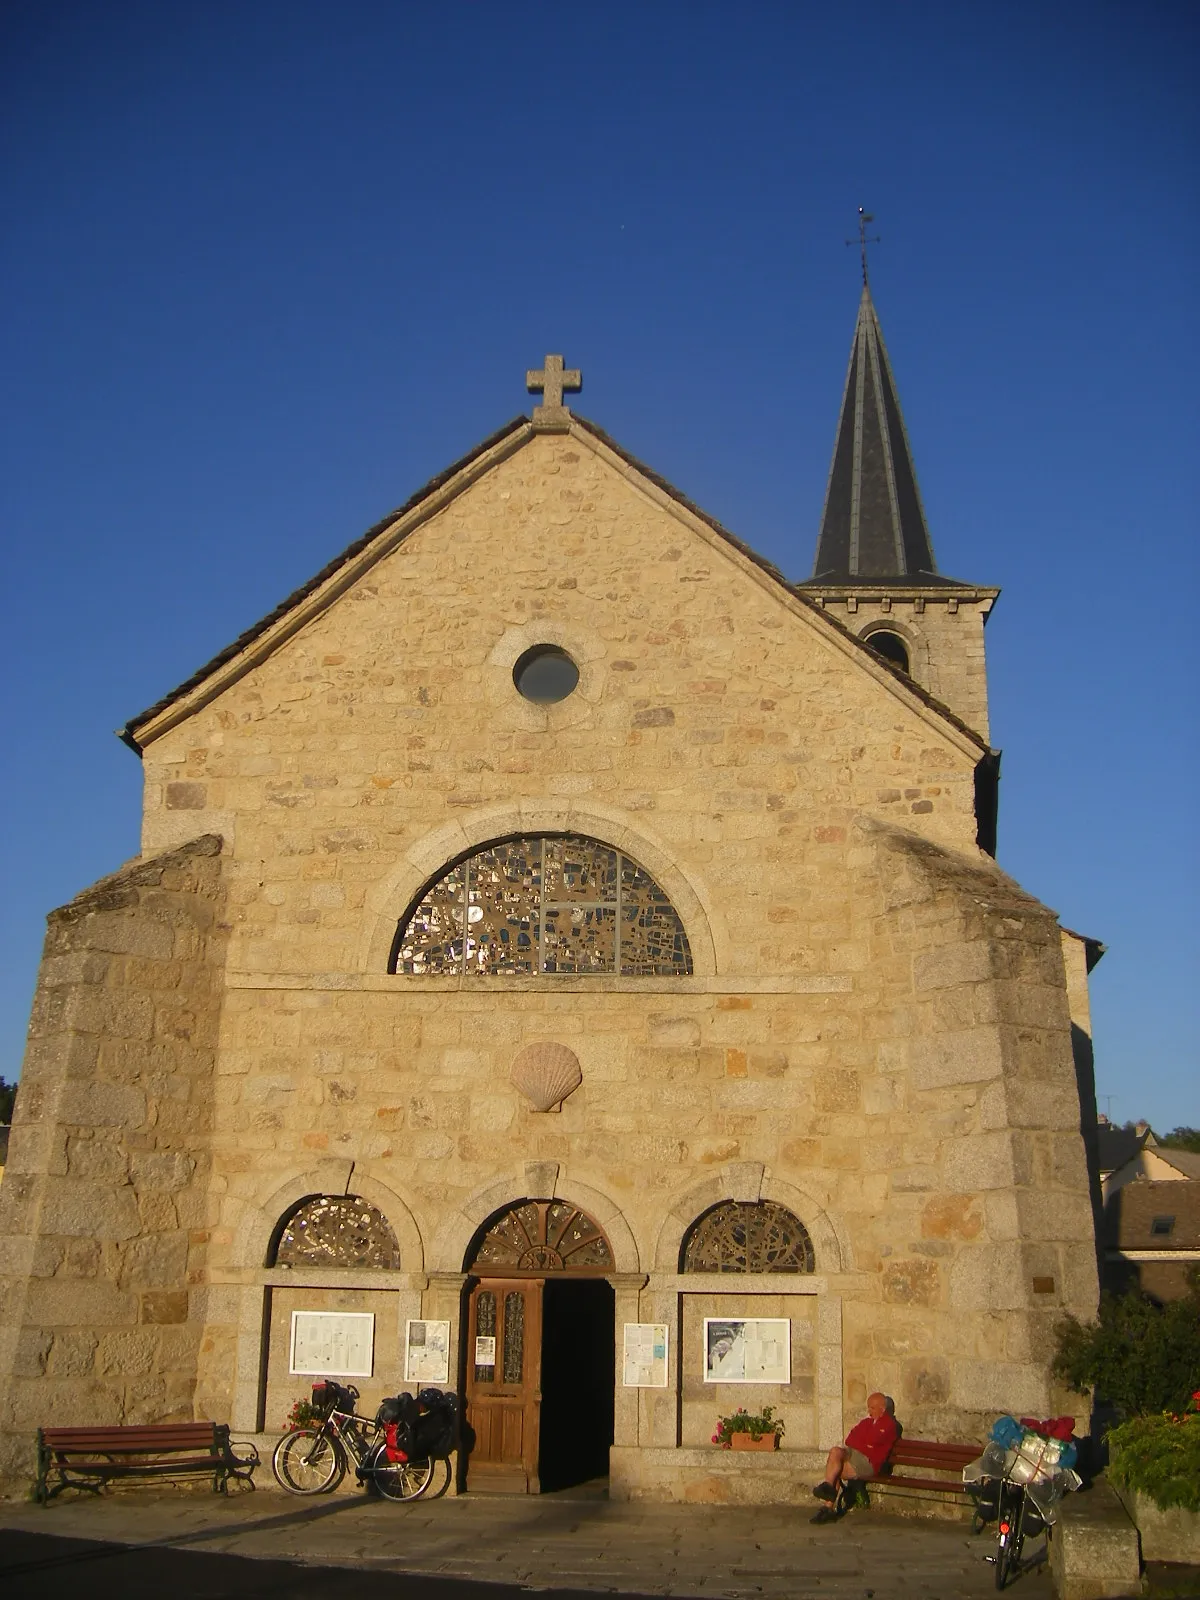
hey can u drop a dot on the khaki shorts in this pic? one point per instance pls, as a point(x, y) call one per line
point(859, 1466)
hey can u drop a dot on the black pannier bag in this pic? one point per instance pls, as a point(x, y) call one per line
point(329, 1396)
point(400, 1408)
point(435, 1433)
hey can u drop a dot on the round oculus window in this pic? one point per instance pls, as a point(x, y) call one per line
point(545, 674)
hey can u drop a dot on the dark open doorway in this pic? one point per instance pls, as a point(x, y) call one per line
point(578, 1372)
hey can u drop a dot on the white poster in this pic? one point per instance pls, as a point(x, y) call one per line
point(645, 1355)
point(485, 1350)
point(427, 1352)
point(750, 1350)
point(339, 1344)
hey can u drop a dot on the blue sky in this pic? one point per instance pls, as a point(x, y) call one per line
point(269, 267)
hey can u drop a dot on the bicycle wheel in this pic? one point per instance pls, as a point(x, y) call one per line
point(1006, 1536)
point(400, 1480)
point(308, 1462)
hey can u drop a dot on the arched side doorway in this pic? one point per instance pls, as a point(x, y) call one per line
point(540, 1351)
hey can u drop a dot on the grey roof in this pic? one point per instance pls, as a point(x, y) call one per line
point(1186, 1161)
point(873, 527)
point(1116, 1146)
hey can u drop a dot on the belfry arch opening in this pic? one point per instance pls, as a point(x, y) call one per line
point(540, 1362)
point(891, 647)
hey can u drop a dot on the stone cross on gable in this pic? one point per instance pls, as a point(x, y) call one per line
point(550, 383)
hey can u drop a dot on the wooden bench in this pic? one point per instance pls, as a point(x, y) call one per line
point(87, 1458)
point(937, 1458)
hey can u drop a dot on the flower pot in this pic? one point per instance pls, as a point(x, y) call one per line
point(746, 1441)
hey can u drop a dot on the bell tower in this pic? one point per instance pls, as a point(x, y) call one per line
point(875, 569)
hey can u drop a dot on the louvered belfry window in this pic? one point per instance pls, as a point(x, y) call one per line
point(544, 905)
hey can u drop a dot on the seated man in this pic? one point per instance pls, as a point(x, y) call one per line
point(865, 1450)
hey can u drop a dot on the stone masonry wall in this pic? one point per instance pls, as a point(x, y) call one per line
point(984, 1235)
point(103, 1210)
point(944, 635)
point(738, 747)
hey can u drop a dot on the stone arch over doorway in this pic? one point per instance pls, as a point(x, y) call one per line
point(540, 1237)
point(748, 1181)
point(536, 1180)
point(426, 856)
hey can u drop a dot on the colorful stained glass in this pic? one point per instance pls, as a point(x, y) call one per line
point(550, 904)
point(333, 1230)
point(542, 1236)
point(747, 1236)
point(514, 1336)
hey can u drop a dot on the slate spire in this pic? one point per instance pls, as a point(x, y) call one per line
point(873, 527)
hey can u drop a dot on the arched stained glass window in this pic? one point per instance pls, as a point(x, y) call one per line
point(747, 1236)
point(542, 1236)
point(552, 904)
point(335, 1230)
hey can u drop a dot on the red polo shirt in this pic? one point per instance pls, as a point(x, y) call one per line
point(873, 1437)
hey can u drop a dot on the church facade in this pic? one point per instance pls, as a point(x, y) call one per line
point(567, 964)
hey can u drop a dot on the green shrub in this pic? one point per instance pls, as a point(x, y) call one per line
point(1159, 1457)
point(1141, 1357)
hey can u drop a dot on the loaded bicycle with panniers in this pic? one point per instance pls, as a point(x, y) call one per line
point(394, 1452)
point(1024, 1471)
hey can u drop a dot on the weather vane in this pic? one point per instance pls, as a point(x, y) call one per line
point(864, 239)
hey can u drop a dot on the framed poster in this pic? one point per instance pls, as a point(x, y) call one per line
point(645, 1355)
point(747, 1350)
point(426, 1352)
point(337, 1344)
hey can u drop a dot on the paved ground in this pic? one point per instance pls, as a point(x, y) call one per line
point(191, 1546)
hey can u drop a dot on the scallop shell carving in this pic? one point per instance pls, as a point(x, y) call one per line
point(546, 1074)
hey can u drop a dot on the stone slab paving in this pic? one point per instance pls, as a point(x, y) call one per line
point(585, 1544)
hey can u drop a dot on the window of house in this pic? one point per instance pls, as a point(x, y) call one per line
point(1162, 1226)
point(747, 1236)
point(541, 906)
point(890, 646)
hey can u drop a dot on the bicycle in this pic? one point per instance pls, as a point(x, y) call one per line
point(1018, 1517)
point(315, 1460)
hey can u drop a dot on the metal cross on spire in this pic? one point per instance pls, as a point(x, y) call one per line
point(864, 240)
point(550, 383)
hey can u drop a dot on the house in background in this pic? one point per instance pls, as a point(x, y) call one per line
point(1120, 1151)
point(1151, 1232)
point(1141, 1157)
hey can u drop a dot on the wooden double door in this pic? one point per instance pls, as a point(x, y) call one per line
point(504, 1377)
point(540, 1382)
